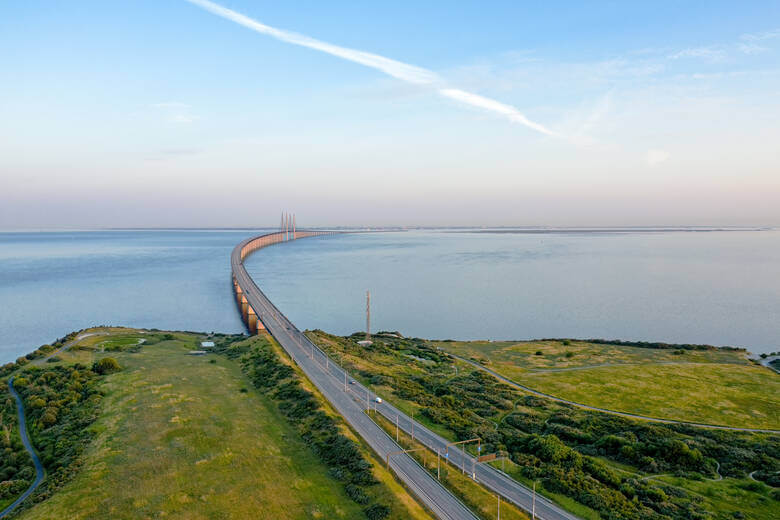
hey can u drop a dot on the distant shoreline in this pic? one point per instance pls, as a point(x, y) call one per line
point(447, 229)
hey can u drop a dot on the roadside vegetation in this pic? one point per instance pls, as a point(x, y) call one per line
point(595, 464)
point(162, 433)
point(325, 434)
point(694, 383)
point(61, 403)
point(478, 499)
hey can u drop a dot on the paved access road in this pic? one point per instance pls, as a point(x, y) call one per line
point(605, 410)
point(351, 401)
point(39, 473)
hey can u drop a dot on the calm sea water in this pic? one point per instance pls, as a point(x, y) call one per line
point(718, 287)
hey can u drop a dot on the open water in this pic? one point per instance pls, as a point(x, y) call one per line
point(687, 286)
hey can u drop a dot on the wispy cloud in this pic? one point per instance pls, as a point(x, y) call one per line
point(709, 53)
point(399, 70)
point(766, 35)
point(751, 48)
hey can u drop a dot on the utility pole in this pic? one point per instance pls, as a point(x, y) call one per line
point(368, 316)
point(438, 463)
point(533, 504)
point(499, 506)
point(462, 460)
point(396, 427)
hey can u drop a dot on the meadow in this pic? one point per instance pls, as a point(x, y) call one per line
point(183, 436)
point(712, 386)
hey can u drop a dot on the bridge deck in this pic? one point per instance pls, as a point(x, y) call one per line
point(351, 403)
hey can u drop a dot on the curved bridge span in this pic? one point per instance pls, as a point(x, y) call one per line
point(351, 401)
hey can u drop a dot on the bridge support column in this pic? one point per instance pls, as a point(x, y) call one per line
point(244, 308)
point(251, 320)
point(239, 293)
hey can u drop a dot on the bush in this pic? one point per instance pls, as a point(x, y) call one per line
point(61, 403)
point(377, 512)
point(538, 353)
point(106, 365)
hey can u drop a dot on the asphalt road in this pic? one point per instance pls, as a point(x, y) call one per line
point(437, 498)
point(351, 401)
point(39, 473)
point(605, 410)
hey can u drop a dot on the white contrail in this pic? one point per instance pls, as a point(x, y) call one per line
point(396, 69)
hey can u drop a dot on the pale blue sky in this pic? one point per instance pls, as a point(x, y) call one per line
point(160, 113)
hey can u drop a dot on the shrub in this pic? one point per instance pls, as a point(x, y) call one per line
point(538, 353)
point(377, 512)
point(106, 365)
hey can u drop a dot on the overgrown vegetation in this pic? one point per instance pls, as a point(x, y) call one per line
point(320, 431)
point(16, 468)
point(650, 344)
point(597, 459)
point(61, 402)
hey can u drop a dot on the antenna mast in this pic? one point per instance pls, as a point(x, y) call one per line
point(368, 316)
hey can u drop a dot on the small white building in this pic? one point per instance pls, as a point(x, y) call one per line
point(197, 352)
point(207, 344)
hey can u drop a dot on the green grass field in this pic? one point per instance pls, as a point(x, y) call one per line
point(183, 437)
point(710, 386)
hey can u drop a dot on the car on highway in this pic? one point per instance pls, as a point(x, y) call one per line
point(352, 381)
point(378, 400)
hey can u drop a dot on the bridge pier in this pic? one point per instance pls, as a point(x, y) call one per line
point(244, 308)
point(251, 320)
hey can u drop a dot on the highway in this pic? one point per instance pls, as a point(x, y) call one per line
point(437, 498)
point(351, 400)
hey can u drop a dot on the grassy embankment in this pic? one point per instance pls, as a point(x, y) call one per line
point(182, 436)
point(592, 463)
point(709, 386)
